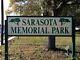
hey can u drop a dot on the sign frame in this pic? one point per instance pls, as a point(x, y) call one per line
point(73, 37)
point(42, 17)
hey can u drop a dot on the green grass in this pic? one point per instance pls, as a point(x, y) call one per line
point(35, 48)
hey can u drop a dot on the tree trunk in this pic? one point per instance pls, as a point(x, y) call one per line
point(47, 12)
point(51, 43)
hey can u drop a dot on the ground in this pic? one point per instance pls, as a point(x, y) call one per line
point(36, 48)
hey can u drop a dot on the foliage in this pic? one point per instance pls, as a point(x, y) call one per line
point(72, 10)
point(26, 7)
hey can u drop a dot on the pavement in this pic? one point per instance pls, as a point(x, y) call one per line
point(10, 38)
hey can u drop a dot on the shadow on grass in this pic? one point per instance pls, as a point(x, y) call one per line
point(62, 50)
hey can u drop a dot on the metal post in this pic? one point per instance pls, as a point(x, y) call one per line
point(73, 41)
point(6, 40)
point(2, 21)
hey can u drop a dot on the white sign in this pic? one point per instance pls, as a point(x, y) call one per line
point(19, 25)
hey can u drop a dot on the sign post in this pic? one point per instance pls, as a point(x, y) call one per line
point(73, 41)
point(6, 40)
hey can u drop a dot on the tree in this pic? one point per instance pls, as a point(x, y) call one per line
point(72, 10)
point(25, 7)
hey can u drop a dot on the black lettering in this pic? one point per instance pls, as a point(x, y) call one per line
point(24, 22)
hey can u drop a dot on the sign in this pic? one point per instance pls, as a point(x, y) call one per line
point(39, 25)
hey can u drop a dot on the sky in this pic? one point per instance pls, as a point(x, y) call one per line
point(6, 4)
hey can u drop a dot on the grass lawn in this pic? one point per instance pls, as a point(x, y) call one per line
point(35, 48)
